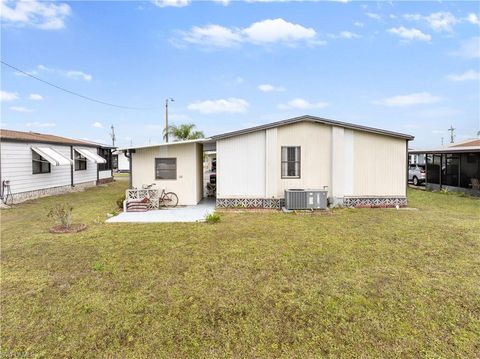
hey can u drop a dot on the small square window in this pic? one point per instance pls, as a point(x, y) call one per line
point(165, 168)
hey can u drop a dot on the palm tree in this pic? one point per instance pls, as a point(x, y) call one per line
point(183, 132)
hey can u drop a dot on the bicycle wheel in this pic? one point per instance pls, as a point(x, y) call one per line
point(170, 199)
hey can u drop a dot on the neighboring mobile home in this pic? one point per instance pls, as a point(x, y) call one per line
point(35, 164)
point(358, 165)
point(455, 167)
point(120, 162)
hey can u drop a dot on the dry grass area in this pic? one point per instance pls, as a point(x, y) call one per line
point(354, 283)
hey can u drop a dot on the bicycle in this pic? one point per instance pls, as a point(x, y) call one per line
point(166, 199)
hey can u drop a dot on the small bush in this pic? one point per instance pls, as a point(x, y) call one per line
point(212, 218)
point(120, 201)
point(62, 214)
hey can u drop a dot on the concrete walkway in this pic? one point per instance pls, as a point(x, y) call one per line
point(178, 214)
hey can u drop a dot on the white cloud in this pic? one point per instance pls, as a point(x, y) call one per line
point(473, 19)
point(466, 76)
point(42, 15)
point(469, 48)
point(8, 96)
point(438, 21)
point(213, 35)
point(374, 16)
point(349, 35)
point(419, 98)
point(171, 3)
point(229, 105)
point(358, 24)
point(223, 2)
point(270, 88)
point(71, 74)
point(410, 34)
point(78, 75)
point(41, 124)
point(97, 125)
point(21, 109)
point(277, 30)
point(267, 31)
point(441, 21)
point(301, 104)
point(35, 97)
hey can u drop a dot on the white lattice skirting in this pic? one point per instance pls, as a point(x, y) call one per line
point(375, 202)
point(277, 203)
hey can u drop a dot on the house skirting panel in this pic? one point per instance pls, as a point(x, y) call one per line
point(104, 180)
point(44, 192)
point(375, 202)
point(277, 203)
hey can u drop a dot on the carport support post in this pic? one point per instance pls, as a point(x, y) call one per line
point(71, 167)
point(128, 154)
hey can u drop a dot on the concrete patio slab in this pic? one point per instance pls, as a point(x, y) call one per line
point(178, 214)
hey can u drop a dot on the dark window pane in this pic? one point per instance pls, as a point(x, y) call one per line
point(39, 164)
point(166, 168)
point(433, 168)
point(469, 169)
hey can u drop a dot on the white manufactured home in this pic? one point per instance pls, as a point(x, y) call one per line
point(34, 165)
point(356, 165)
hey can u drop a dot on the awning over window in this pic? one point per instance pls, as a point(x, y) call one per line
point(91, 156)
point(52, 156)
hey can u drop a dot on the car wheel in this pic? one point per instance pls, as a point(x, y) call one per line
point(415, 181)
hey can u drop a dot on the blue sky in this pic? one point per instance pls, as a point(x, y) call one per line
point(412, 67)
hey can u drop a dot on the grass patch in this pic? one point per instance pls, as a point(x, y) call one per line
point(354, 283)
point(212, 218)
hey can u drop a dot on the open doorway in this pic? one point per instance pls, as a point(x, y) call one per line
point(209, 170)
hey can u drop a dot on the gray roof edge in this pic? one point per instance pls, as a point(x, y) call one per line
point(313, 119)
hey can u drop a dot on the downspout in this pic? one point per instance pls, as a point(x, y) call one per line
point(71, 166)
point(98, 169)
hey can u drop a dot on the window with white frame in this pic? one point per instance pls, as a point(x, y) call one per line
point(80, 162)
point(165, 168)
point(291, 161)
point(40, 164)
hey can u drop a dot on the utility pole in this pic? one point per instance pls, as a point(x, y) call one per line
point(166, 117)
point(452, 134)
point(442, 141)
point(112, 135)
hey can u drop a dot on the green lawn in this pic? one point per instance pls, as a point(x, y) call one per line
point(353, 283)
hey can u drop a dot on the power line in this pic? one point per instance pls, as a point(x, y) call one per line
point(76, 93)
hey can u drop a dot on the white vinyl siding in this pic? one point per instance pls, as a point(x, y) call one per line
point(187, 185)
point(348, 162)
point(379, 165)
point(16, 165)
point(241, 166)
point(315, 142)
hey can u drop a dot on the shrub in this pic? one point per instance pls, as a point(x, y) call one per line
point(62, 213)
point(120, 201)
point(212, 218)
